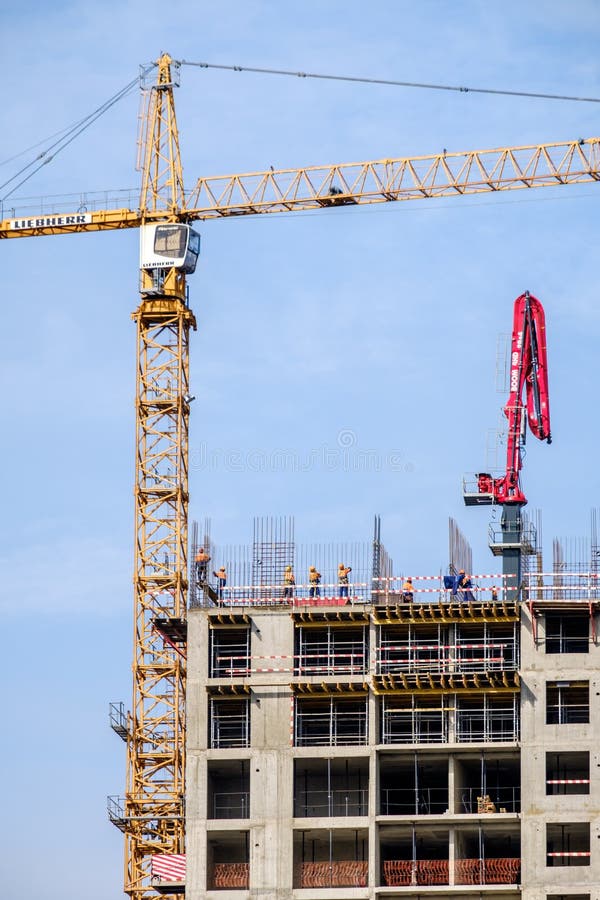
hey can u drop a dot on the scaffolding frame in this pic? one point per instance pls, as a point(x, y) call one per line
point(330, 651)
point(229, 719)
point(331, 720)
point(418, 719)
point(469, 717)
point(567, 702)
point(229, 650)
point(496, 719)
point(448, 648)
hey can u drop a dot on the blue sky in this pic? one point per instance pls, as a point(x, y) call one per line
point(378, 321)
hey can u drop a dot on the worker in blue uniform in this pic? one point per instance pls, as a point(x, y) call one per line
point(465, 585)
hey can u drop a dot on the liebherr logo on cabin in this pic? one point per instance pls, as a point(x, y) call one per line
point(51, 221)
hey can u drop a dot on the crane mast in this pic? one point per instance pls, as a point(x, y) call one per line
point(154, 800)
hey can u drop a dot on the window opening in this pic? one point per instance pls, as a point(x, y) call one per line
point(567, 703)
point(567, 633)
point(568, 773)
point(568, 844)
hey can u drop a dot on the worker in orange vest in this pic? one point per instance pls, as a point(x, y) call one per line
point(202, 560)
point(314, 580)
point(288, 583)
point(407, 590)
point(343, 572)
point(221, 577)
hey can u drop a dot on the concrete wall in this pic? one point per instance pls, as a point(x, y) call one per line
point(537, 739)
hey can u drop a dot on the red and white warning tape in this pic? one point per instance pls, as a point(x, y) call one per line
point(567, 781)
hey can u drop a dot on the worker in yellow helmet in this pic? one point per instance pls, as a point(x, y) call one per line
point(314, 580)
point(288, 583)
point(343, 572)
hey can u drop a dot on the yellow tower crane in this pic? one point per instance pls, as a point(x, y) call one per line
point(153, 814)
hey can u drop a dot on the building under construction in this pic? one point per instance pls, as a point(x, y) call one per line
point(374, 742)
point(292, 734)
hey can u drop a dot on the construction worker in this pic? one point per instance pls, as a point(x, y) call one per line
point(221, 577)
point(314, 580)
point(343, 572)
point(202, 560)
point(288, 583)
point(407, 590)
point(494, 590)
point(465, 585)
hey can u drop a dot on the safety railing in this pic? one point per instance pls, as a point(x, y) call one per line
point(438, 657)
point(227, 646)
point(115, 807)
point(118, 719)
point(568, 858)
point(524, 536)
point(482, 588)
point(332, 662)
point(330, 722)
point(411, 801)
point(330, 594)
point(339, 659)
point(390, 590)
point(229, 723)
point(337, 802)
point(567, 713)
point(413, 726)
point(231, 805)
point(56, 204)
point(488, 724)
point(561, 587)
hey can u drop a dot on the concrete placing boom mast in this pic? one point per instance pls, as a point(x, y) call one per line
point(153, 818)
point(529, 372)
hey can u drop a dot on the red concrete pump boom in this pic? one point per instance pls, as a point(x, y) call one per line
point(529, 370)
